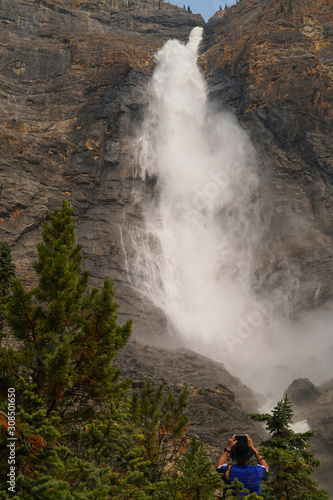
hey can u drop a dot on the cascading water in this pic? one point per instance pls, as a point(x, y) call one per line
point(195, 254)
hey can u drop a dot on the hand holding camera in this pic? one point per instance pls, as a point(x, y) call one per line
point(241, 437)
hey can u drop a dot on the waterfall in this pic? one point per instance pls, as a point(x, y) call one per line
point(195, 254)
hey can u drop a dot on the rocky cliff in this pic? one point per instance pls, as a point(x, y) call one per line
point(270, 62)
point(218, 401)
point(73, 83)
point(315, 405)
point(73, 80)
point(73, 90)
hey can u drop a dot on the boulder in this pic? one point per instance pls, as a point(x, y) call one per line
point(302, 391)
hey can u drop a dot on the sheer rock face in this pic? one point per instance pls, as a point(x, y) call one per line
point(73, 93)
point(73, 84)
point(73, 90)
point(315, 405)
point(274, 70)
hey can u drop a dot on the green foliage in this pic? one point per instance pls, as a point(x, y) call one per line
point(108, 459)
point(161, 420)
point(36, 448)
point(80, 434)
point(237, 491)
point(286, 452)
point(7, 268)
point(278, 424)
point(290, 7)
point(7, 273)
point(195, 478)
point(66, 385)
point(68, 336)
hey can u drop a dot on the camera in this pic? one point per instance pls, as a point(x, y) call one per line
point(241, 437)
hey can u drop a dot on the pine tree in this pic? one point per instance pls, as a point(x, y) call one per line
point(37, 461)
point(236, 491)
point(68, 336)
point(71, 407)
point(161, 419)
point(290, 462)
point(7, 273)
point(195, 478)
point(104, 461)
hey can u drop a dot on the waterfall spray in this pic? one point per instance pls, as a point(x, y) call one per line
point(194, 255)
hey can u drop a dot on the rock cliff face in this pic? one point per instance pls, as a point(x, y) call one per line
point(73, 82)
point(218, 402)
point(315, 405)
point(271, 62)
point(73, 90)
point(73, 79)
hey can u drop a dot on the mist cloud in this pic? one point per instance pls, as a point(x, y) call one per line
point(195, 257)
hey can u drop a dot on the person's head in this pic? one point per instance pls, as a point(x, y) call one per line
point(241, 452)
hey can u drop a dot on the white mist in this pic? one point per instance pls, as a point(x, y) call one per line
point(195, 254)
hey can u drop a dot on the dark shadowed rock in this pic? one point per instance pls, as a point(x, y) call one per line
point(315, 405)
point(273, 69)
point(302, 391)
point(218, 401)
point(73, 91)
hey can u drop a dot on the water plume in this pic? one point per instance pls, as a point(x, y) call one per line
point(195, 256)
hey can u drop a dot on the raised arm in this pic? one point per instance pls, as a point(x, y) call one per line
point(223, 458)
point(260, 459)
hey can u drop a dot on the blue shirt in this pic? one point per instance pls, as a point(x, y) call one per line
point(249, 475)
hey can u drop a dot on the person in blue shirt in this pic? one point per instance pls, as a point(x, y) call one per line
point(241, 449)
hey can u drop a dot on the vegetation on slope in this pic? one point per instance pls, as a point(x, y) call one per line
point(71, 428)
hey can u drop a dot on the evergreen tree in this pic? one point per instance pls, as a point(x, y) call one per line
point(161, 419)
point(104, 461)
point(109, 458)
point(37, 462)
point(67, 391)
point(68, 336)
point(7, 273)
point(290, 462)
point(238, 492)
point(195, 478)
